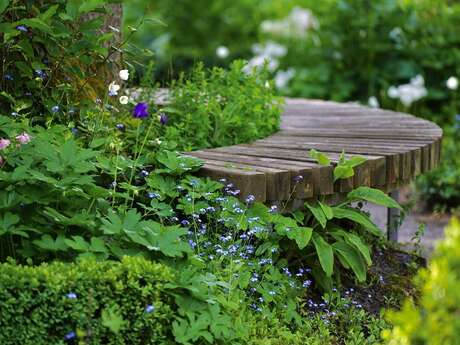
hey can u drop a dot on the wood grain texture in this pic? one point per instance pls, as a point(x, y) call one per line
point(398, 147)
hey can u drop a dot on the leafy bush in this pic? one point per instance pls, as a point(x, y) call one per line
point(434, 318)
point(220, 108)
point(88, 302)
point(51, 60)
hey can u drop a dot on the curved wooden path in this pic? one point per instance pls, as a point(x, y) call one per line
point(397, 146)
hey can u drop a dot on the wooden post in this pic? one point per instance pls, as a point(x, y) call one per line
point(393, 219)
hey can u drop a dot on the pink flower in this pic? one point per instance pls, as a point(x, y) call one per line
point(4, 143)
point(23, 138)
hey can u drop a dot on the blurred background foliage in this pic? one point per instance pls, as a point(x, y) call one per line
point(396, 54)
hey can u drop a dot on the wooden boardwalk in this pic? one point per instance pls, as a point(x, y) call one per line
point(397, 146)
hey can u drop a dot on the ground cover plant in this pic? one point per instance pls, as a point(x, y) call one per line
point(107, 237)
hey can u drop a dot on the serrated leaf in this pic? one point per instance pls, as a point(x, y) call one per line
point(374, 196)
point(77, 243)
point(325, 254)
point(7, 222)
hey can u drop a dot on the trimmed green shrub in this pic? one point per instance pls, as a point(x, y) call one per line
point(87, 302)
point(435, 318)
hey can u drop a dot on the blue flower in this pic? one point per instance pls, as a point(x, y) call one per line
point(144, 173)
point(121, 127)
point(250, 199)
point(71, 295)
point(298, 179)
point(70, 336)
point(141, 111)
point(8, 77)
point(150, 308)
point(55, 109)
point(40, 74)
point(22, 28)
point(153, 195)
point(74, 131)
point(163, 119)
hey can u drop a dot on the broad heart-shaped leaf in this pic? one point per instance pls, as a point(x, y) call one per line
point(374, 196)
point(355, 241)
point(325, 254)
point(318, 213)
point(350, 257)
point(357, 217)
point(301, 235)
point(321, 158)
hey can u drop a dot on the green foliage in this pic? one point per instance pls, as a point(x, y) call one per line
point(102, 303)
point(51, 60)
point(434, 318)
point(220, 108)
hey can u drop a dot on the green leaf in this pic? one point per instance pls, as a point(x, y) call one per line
point(374, 196)
point(321, 158)
point(343, 172)
point(112, 319)
point(301, 235)
point(350, 257)
point(357, 217)
point(48, 243)
point(327, 210)
point(91, 5)
point(3, 5)
point(77, 243)
point(325, 254)
point(72, 8)
point(318, 213)
point(355, 241)
point(37, 23)
point(7, 222)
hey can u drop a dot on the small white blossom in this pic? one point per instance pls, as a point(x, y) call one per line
point(113, 89)
point(409, 93)
point(373, 102)
point(124, 100)
point(222, 52)
point(296, 24)
point(124, 74)
point(282, 78)
point(452, 83)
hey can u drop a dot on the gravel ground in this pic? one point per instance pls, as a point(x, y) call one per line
point(434, 225)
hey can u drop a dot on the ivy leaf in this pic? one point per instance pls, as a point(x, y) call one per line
point(325, 254)
point(372, 195)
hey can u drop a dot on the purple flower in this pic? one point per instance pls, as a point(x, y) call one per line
point(141, 111)
point(22, 28)
point(70, 336)
point(153, 195)
point(150, 308)
point(298, 179)
point(250, 199)
point(163, 119)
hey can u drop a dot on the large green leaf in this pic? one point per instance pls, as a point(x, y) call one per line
point(357, 217)
point(350, 257)
point(301, 235)
point(3, 5)
point(355, 241)
point(318, 213)
point(7, 222)
point(321, 158)
point(325, 254)
point(374, 196)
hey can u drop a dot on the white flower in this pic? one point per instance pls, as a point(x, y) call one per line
point(282, 78)
point(124, 74)
point(124, 100)
point(417, 81)
point(393, 92)
point(296, 24)
point(222, 52)
point(452, 83)
point(373, 102)
point(158, 141)
point(113, 89)
point(269, 49)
